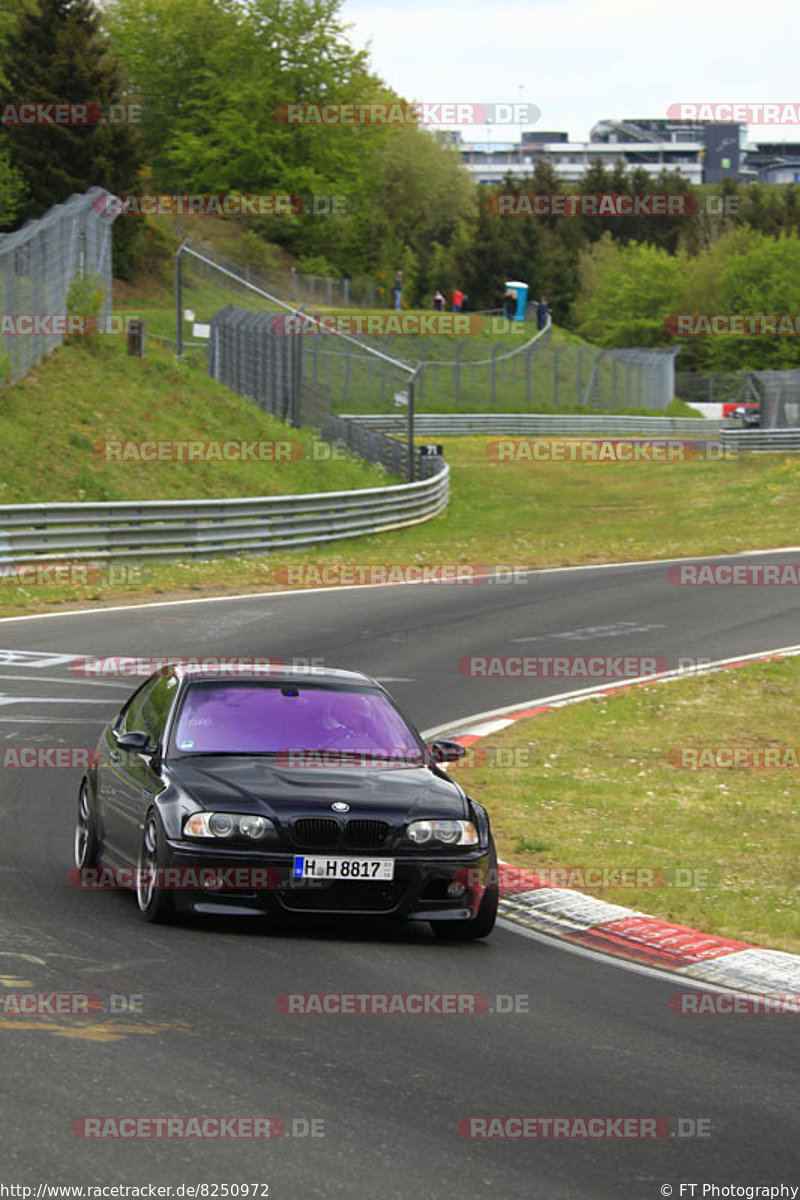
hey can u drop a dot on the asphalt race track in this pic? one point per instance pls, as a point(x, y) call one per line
point(598, 1039)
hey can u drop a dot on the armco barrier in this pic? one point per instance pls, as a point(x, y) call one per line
point(528, 424)
point(177, 529)
point(767, 441)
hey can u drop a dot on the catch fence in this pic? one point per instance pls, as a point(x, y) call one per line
point(38, 263)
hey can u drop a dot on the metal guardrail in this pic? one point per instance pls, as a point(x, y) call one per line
point(514, 424)
point(374, 445)
point(177, 529)
point(765, 441)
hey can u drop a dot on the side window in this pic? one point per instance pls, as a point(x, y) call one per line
point(132, 718)
point(156, 705)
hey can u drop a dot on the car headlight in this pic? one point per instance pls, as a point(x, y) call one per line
point(449, 833)
point(254, 827)
point(226, 825)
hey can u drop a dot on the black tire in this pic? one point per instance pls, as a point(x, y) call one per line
point(85, 844)
point(481, 925)
point(154, 903)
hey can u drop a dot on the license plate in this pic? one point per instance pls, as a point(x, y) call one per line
point(312, 866)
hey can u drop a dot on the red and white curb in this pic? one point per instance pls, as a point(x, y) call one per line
point(527, 899)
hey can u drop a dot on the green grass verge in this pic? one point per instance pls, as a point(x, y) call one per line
point(599, 792)
point(519, 514)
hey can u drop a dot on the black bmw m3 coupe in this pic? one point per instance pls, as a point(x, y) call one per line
point(287, 792)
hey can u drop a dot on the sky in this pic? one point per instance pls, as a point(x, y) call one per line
point(580, 61)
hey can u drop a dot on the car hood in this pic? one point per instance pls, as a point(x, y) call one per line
point(246, 784)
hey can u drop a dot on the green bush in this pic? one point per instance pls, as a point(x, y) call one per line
point(86, 298)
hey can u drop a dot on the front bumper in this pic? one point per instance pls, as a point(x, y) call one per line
point(423, 888)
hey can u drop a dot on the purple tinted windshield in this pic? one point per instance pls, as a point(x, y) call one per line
point(247, 718)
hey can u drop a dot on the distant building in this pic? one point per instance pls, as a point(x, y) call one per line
point(701, 153)
point(774, 162)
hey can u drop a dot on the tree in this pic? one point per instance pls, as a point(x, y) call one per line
point(56, 53)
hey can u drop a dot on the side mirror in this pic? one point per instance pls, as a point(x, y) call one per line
point(137, 740)
point(444, 750)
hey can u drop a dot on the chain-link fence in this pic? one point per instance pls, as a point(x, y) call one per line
point(37, 265)
point(778, 393)
point(714, 387)
point(291, 286)
point(499, 365)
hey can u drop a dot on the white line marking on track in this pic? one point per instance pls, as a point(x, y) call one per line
point(464, 723)
point(360, 587)
point(73, 679)
point(6, 700)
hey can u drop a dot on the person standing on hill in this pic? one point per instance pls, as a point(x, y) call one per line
point(398, 291)
point(543, 311)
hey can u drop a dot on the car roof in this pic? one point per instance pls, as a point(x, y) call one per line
point(260, 669)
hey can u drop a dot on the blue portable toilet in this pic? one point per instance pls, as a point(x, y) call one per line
point(520, 290)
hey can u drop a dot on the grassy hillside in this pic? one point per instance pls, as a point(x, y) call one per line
point(52, 419)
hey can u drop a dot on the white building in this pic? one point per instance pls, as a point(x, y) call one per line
point(652, 145)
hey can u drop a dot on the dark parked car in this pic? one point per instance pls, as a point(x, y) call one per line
point(291, 793)
point(746, 416)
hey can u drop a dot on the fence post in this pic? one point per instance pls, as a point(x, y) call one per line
point(178, 305)
point(411, 428)
point(495, 348)
point(457, 372)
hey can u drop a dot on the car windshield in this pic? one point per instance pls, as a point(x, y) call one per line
point(292, 720)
